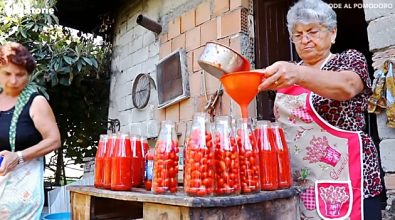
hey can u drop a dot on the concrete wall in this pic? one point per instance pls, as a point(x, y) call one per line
point(187, 24)
point(381, 32)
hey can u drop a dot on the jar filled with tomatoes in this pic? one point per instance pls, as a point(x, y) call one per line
point(248, 156)
point(267, 156)
point(166, 160)
point(226, 158)
point(99, 161)
point(199, 173)
point(284, 164)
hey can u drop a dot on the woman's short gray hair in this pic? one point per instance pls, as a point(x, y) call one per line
point(311, 11)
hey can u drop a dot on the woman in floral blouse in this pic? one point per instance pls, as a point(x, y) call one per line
point(321, 102)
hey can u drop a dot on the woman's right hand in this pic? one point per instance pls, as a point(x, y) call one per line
point(279, 75)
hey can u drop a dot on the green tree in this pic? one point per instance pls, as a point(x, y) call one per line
point(72, 69)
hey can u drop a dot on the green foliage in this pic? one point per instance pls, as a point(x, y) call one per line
point(72, 68)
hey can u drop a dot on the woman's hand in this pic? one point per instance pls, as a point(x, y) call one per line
point(10, 161)
point(279, 75)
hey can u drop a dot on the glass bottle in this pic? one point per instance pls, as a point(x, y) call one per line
point(144, 149)
point(284, 166)
point(99, 161)
point(166, 160)
point(121, 164)
point(199, 173)
point(108, 160)
point(137, 161)
point(268, 156)
point(226, 158)
point(149, 166)
point(248, 156)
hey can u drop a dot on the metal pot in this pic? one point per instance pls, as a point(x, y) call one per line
point(218, 60)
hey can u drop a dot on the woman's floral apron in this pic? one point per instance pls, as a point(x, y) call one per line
point(325, 160)
point(21, 192)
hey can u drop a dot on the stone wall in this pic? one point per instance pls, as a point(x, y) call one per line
point(381, 32)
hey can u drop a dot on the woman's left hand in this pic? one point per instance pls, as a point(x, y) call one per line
point(10, 161)
point(279, 75)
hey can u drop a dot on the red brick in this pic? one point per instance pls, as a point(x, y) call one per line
point(174, 28)
point(212, 83)
point(236, 111)
point(163, 38)
point(190, 62)
point(224, 104)
point(224, 41)
point(220, 6)
point(389, 180)
point(188, 20)
point(239, 3)
point(195, 84)
point(181, 129)
point(173, 112)
point(187, 108)
point(201, 103)
point(165, 49)
point(230, 23)
point(235, 43)
point(202, 13)
point(208, 31)
point(160, 114)
point(178, 42)
point(196, 55)
point(192, 39)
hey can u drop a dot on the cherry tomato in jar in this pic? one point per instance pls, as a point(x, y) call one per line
point(165, 171)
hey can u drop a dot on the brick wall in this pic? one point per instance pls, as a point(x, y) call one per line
point(381, 32)
point(187, 24)
point(223, 21)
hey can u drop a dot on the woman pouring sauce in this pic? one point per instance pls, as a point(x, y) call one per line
point(320, 103)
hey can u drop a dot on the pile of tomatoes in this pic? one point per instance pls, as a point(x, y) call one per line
point(226, 165)
point(165, 167)
point(249, 162)
point(199, 174)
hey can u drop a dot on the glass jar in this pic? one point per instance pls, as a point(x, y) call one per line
point(267, 156)
point(226, 158)
point(166, 160)
point(248, 156)
point(108, 160)
point(284, 164)
point(99, 161)
point(199, 173)
point(121, 168)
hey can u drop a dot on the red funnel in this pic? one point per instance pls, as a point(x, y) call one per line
point(242, 87)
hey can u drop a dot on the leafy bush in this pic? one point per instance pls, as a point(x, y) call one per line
point(72, 69)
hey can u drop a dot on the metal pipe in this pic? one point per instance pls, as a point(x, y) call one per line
point(149, 24)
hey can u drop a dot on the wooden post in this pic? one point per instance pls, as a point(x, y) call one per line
point(80, 206)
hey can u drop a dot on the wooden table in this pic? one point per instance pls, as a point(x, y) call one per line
point(88, 202)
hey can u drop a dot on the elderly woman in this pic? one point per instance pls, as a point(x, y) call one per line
point(321, 102)
point(28, 131)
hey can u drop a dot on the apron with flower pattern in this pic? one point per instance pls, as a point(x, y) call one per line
point(21, 190)
point(326, 160)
